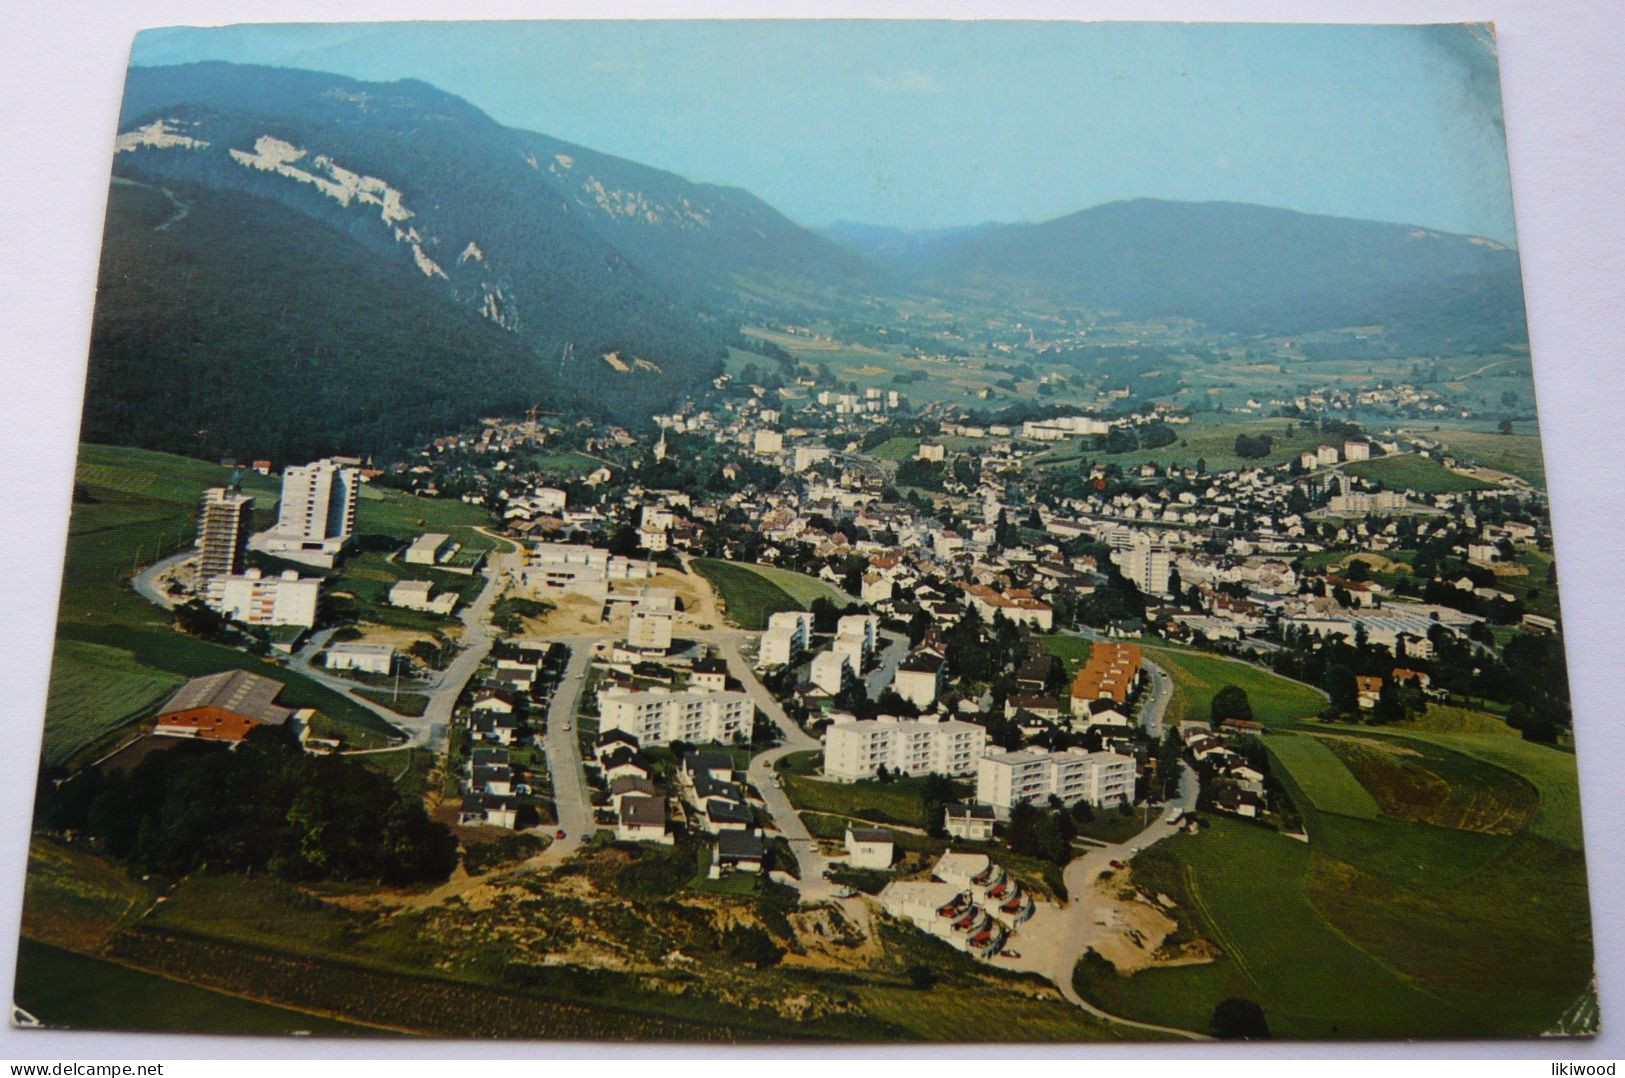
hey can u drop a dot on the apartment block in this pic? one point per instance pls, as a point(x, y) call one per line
point(856, 749)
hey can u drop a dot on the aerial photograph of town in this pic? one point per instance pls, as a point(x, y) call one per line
point(809, 532)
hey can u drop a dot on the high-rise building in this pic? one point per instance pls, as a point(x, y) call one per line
point(317, 514)
point(225, 517)
point(1146, 565)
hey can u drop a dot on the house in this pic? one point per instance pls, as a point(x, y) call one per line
point(1368, 690)
point(490, 810)
point(709, 675)
point(869, 847)
point(719, 815)
point(495, 726)
point(712, 764)
point(1415, 677)
point(630, 786)
point(969, 821)
point(1239, 803)
point(642, 819)
point(610, 740)
point(495, 701)
point(623, 762)
point(741, 851)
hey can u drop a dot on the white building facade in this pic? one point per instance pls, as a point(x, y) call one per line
point(856, 749)
point(659, 716)
point(1006, 779)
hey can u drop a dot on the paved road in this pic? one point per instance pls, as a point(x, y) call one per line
point(1058, 958)
point(146, 581)
point(572, 801)
point(476, 643)
point(810, 864)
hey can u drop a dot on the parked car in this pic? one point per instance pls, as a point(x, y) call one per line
point(558, 834)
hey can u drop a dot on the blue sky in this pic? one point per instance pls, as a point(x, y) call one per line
point(929, 124)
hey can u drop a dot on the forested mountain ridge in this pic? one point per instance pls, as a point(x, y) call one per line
point(420, 190)
point(1231, 266)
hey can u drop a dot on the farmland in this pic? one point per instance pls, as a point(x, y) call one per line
point(95, 689)
point(1196, 677)
point(1518, 454)
point(1209, 437)
point(1410, 472)
point(1326, 781)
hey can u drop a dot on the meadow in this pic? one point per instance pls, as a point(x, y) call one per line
point(754, 592)
point(1198, 676)
point(1407, 471)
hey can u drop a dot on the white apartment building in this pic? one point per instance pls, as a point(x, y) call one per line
point(919, 679)
point(786, 638)
point(316, 516)
point(766, 443)
point(256, 599)
point(1006, 779)
point(1146, 565)
point(829, 672)
point(856, 749)
point(660, 716)
point(855, 637)
point(808, 455)
point(650, 628)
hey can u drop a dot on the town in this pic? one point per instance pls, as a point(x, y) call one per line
point(888, 660)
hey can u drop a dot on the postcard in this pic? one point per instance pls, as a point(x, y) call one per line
point(810, 532)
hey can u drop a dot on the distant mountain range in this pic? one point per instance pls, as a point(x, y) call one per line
point(297, 262)
point(1236, 267)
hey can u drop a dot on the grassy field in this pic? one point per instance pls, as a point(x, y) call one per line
point(1411, 780)
point(1518, 454)
point(897, 801)
point(753, 592)
point(1197, 676)
point(566, 465)
point(368, 578)
point(898, 448)
point(1073, 651)
point(67, 991)
point(1552, 772)
point(802, 588)
point(1209, 437)
point(1410, 472)
point(96, 689)
point(1457, 908)
point(1322, 775)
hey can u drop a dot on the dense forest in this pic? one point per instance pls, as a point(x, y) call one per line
point(265, 806)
